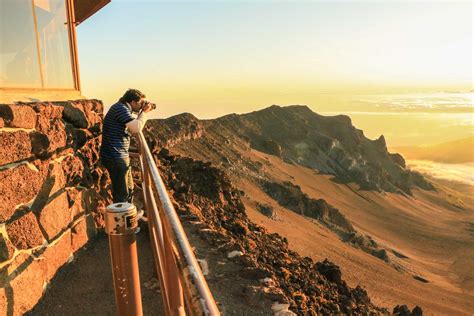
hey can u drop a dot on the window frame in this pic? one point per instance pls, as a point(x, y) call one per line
point(71, 27)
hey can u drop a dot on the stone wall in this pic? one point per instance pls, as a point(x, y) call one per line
point(52, 192)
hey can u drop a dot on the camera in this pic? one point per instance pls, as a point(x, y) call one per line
point(153, 105)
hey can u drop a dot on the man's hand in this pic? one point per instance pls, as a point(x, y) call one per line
point(148, 107)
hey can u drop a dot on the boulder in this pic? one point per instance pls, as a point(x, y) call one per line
point(329, 270)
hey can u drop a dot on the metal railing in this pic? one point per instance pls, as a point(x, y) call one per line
point(184, 289)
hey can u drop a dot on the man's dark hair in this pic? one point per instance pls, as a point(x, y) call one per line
point(132, 95)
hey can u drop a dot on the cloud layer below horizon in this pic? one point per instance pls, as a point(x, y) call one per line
point(463, 173)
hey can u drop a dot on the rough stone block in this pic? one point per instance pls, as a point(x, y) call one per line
point(46, 113)
point(49, 123)
point(15, 267)
point(7, 274)
point(55, 216)
point(93, 105)
point(90, 151)
point(3, 302)
point(56, 135)
point(49, 138)
point(77, 137)
point(19, 185)
point(14, 146)
point(74, 113)
point(21, 115)
point(73, 169)
point(27, 287)
point(39, 144)
point(56, 176)
point(25, 232)
point(82, 232)
point(54, 181)
point(77, 202)
point(6, 248)
point(83, 113)
point(57, 254)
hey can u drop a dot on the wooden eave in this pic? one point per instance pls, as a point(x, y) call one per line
point(83, 9)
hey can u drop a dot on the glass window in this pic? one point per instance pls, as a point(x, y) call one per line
point(19, 63)
point(55, 53)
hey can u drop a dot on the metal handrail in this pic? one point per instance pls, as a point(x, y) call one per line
point(183, 285)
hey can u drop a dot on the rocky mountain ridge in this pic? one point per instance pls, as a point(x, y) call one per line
point(329, 144)
point(296, 135)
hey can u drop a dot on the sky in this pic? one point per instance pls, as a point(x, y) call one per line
point(211, 58)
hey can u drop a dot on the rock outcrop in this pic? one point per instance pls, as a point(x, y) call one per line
point(51, 193)
point(291, 197)
point(330, 144)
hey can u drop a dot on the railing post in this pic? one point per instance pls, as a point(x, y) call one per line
point(120, 223)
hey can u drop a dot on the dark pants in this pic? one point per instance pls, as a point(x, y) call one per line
point(121, 175)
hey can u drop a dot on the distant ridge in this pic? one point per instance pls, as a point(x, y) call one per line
point(329, 144)
point(458, 151)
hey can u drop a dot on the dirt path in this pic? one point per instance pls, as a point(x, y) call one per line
point(84, 287)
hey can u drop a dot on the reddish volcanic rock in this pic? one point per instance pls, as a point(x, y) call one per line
point(83, 113)
point(55, 216)
point(25, 232)
point(49, 138)
point(90, 151)
point(56, 176)
point(82, 232)
point(28, 286)
point(75, 114)
point(18, 185)
point(20, 116)
point(73, 168)
point(310, 288)
point(57, 255)
point(14, 146)
point(55, 185)
point(56, 133)
point(46, 112)
point(39, 144)
point(77, 202)
point(6, 248)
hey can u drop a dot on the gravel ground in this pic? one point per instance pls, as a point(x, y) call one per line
point(84, 287)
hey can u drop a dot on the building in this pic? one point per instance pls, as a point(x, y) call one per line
point(49, 203)
point(38, 48)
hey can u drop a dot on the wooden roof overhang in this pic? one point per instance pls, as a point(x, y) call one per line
point(83, 9)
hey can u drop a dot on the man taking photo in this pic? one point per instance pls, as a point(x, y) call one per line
point(118, 126)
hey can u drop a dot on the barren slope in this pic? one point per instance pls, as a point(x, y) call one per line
point(414, 248)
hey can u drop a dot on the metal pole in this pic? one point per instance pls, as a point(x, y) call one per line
point(120, 224)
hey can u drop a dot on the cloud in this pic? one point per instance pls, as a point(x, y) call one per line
point(422, 102)
point(463, 173)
